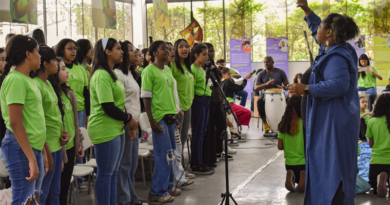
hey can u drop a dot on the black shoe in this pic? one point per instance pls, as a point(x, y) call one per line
point(222, 156)
point(202, 170)
point(238, 97)
point(213, 165)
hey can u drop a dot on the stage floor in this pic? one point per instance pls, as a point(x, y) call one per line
point(257, 176)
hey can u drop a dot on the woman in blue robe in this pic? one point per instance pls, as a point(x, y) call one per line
point(332, 114)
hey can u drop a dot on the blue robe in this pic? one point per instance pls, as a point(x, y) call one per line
point(332, 125)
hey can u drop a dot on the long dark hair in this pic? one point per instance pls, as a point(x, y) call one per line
point(1, 50)
point(363, 57)
point(84, 48)
point(124, 66)
point(198, 49)
point(187, 61)
point(144, 52)
point(298, 75)
point(39, 36)
point(153, 48)
point(382, 108)
point(209, 45)
point(60, 49)
point(55, 82)
point(100, 57)
point(47, 54)
point(289, 123)
point(15, 52)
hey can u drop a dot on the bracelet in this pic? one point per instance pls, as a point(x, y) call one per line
point(131, 117)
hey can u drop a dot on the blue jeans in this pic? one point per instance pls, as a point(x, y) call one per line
point(108, 157)
point(18, 168)
point(128, 165)
point(164, 144)
point(199, 118)
point(244, 95)
point(371, 91)
point(51, 185)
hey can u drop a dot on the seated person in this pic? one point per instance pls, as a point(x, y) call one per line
point(365, 116)
point(235, 74)
point(378, 133)
point(291, 140)
point(255, 93)
point(229, 88)
point(271, 77)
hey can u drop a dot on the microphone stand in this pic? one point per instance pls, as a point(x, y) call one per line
point(225, 106)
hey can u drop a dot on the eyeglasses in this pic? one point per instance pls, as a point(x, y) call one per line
point(2, 59)
point(72, 48)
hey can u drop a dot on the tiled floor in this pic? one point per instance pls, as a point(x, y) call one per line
point(267, 187)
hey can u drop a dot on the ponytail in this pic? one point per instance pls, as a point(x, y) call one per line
point(6, 70)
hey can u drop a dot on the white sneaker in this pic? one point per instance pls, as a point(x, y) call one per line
point(189, 175)
point(231, 151)
point(234, 143)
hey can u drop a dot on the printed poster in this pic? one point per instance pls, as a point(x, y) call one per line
point(240, 59)
point(161, 18)
point(104, 14)
point(19, 11)
point(193, 33)
point(277, 48)
point(359, 44)
point(381, 57)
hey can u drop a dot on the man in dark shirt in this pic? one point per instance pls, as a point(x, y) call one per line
point(271, 77)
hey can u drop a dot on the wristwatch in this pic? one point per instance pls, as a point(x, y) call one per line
point(307, 89)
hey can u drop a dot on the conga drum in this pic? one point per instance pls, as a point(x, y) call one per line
point(275, 105)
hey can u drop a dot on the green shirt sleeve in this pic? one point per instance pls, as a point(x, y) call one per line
point(147, 80)
point(369, 129)
point(103, 85)
point(16, 92)
point(281, 136)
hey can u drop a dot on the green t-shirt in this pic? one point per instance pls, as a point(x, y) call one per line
point(87, 73)
point(377, 129)
point(294, 150)
point(233, 71)
point(77, 81)
point(231, 100)
point(367, 117)
point(369, 80)
point(20, 89)
point(161, 84)
point(52, 112)
point(185, 86)
point(103, 89)
point(68, 120)
point(200, 81)
point(140, 69)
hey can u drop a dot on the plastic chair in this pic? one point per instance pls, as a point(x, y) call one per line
point(143, 153)
point(82, 171)
point(72, 192)
point(88, 145)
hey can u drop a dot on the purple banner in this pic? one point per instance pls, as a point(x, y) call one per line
point(359, 44)
point(278, 49)
point(240, 59)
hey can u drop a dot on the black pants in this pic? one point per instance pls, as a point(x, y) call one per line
point(211, 141)
point(375, 170)
point(363, 129)
point(66, 176)
point(297, 171)
point(338, 198)
point(261, 106)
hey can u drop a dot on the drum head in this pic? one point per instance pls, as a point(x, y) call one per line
point(274, 90)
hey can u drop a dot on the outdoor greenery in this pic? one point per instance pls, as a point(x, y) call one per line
point(259, 19)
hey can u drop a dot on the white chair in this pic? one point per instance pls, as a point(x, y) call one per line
point(72, 192)
point(143, 153)
point(82, 171)
point(144, 124)
point(3, 172)
point(88, 145)
point(87, 169)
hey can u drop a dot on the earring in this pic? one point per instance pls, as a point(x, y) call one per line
point(327, 43)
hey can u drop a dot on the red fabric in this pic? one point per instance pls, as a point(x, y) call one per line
point(243, 115)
